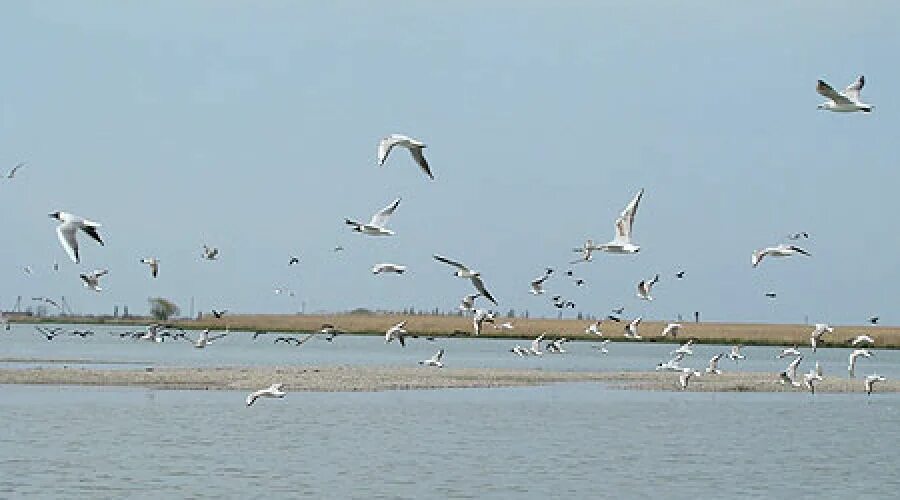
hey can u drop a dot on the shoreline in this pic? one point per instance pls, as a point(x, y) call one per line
point(387, 378)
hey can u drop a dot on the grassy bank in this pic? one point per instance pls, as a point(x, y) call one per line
point(376, 324)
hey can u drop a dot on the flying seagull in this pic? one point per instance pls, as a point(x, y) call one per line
point(537, 285)
point(92, 280)
point(624, 223)
point(153, 262)
point(396, 332)
point(874, 320)
point(481, 316)
point(796, 236)
point(776, 251)
point(12, 173)
point(686, 374)
point(219, 314)
point(631, 329)
point(273, 391)
point(387, 267)
point(671, 329)
point(378, 225)
point(855, 354)
point(210, 253)
point(293, 260)
point(586, 251)
point(66, 232)
point(735, 353)
point(817, 335)
point(713, 368)
point(679, 275)
point(205, 339)
point(468, 302)
point(465, 272)
point(870, 382)
point(434, 360)
point(643, 288)
point(414, 146)
point(846, 101)
point(862, 339)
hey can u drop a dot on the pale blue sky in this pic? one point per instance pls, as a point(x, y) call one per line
point(252, 126)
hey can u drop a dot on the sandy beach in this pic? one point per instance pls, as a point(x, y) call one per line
point(354, 379)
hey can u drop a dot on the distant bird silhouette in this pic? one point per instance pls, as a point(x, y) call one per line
point(796, 236)
point(619, 311)
point(771, 295)
point(874, 320)
point(679, 274)
point(219, 314)
point(294, 260)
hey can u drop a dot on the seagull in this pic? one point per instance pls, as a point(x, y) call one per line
point(685, 348)
point(672, 365)
point(613, 318)
point(468, 302)
point(293, 260)
point(338, 249)
point(205, 339)
point(536, 345)
point(870, 382)
point(153, 262)
point(602, 347)
point(816, 336)
point(386, 267)
point(219, 314)
point(631, 331)
point(465, 272)
point(735, 353)
point(66, 232)
point(643, 288)
point(520, 351)
point(846, 101)
point(481, 316)
point(809, 380)
point(771, 295)
point(594, 328)
point(556, 346)
point(671, 328)
point(396, 332)
point(679, 275)
point(92, 280)
point(376, 226)
point(273, 391)
point(776, 251)
point(874, 320)
point(12, 173)
point(537, 285)
point(862, 339)
point(796, 236)
point(27, 270)
point(504, 326)
point(790, 374)
point(713, 368)
point(622, 242)
point(685, 376)
point(50, 334)
point(586, 251)
point(210, 253)
point(855, 354)
point(414, 146)
point(434, 360)
point(789, 351)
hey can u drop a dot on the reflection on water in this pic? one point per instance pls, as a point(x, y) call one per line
point(567, 440)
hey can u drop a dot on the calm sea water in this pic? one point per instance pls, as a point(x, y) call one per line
point(563, 441)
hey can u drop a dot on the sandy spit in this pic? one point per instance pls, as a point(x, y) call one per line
point(355, 378)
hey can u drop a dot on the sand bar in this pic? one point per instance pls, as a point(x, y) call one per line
point(355, 378)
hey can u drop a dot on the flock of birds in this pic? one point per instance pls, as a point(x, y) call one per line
point(70, 225)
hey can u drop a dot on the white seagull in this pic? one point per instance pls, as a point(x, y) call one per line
point(205, 339)
point(846, 101)
point(810, 379)
point(520, 351)
point(643, 288)
point(396, 332)
point(855, 354)
point(66, 232)
point(273, 391)
point(434, 360)
point(713, 368)
point(594, 328)
point(465, 272)
point(210, 253)
point(862, 339)
point(870, 382)
point(481, 316)
point(505, 326)
point(414, 146)
point(776, 251)
point(671, 329)
point(153, 262)
point(387, 267)
point(602, 347)
point(536, 345)
point(12, 173)
point(378, 225)
point(685, 348)
point(790, 374)
point(789, 351)
point(468, 302)
point(537, 285)
point(685, 376)
point(631, 329)
point(624, 223)
point(92, 280)
point(816, 335)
